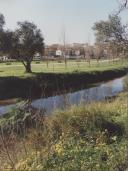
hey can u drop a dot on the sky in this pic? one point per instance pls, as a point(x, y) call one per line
point(75, 17)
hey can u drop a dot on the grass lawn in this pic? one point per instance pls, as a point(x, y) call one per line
point(17, 69)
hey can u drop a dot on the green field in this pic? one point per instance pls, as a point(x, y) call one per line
point(17, 69)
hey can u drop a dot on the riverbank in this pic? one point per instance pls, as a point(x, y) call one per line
point(91, 137)
point(46, 84)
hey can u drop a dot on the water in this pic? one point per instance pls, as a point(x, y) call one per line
point(100, 92)
point(9, 108)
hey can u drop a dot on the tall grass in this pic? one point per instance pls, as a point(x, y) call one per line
point(91, 137)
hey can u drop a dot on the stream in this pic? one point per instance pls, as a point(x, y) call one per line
point(98, 92)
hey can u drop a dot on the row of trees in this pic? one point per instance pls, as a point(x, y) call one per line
point(23, 43)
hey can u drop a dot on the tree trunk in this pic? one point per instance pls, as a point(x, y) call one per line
point(65, 61)
point(28, 67)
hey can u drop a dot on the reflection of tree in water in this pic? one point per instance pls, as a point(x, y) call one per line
point(96, 93)
point(64, 101)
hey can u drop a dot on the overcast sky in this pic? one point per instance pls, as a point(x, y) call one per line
point(52, 16)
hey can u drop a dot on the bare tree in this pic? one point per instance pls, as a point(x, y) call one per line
point(98, 52)
point(63, 35)
point(88, 54)
point(123, 4)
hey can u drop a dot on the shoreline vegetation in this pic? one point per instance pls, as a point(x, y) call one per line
point(46, 84)
point(91, 137)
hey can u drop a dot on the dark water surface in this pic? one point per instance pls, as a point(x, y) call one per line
point(99, 92)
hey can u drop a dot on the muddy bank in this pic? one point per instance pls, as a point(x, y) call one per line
point(46, 84)
point(8, 102)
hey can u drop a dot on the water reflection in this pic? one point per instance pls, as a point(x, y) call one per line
point(97, 93)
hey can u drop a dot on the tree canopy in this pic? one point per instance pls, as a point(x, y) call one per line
point(113, 33)
point(110, 30)
point(29, 42)
point(23, 43)
point(2, 21)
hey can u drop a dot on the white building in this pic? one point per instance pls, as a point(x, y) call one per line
point(3, 58)
point(58, 53)
point(37, 56)
point(77, 52)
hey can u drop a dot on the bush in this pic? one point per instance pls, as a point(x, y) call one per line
point(8, 63)
point(60, 61)
point(37, 62)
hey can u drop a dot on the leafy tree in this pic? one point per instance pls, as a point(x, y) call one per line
point(112, 32)
point(27, 41)
point(2, 21)
point(3, 36)
point(22, 44)
point(6, 42)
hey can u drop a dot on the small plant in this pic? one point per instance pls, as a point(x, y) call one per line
point(8, 63)
point(76, 71)
point(59, 61)
point(37, 62)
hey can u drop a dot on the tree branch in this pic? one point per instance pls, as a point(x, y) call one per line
point(123, 5)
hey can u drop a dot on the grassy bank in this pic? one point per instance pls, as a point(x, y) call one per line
point(46, 84)
point(92, 138)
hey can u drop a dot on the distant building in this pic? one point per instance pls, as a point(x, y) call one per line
point(37, 56)
point(59, 53)
point(74, 50)
point(77, 52)
point(4, 58)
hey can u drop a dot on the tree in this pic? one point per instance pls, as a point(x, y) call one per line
point(2, 21)
point(109, 30)
point(112, 32)
point(98, 52)
point(5, 37)
point(7, 42)
point(89, 54)
point(27, 41)
point(22, 44)
point(63, 35)
point(123, 4)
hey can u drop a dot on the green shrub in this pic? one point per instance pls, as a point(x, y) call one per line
point(8, 63)
point(37, 62)
point(60, 61)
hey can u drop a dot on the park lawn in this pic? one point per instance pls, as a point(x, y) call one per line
point(17, 69)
